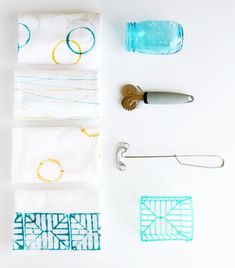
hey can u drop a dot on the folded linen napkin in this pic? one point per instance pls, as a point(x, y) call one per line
point(55, 154)
point(52, 95)
point(59, 39)
point(56, 220)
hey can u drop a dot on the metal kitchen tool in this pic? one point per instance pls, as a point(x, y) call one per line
point(132, 94)
point(203, 161)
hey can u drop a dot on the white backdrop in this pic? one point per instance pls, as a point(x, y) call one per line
point(204, 68)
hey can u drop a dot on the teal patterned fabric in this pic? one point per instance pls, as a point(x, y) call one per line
point(56, 231)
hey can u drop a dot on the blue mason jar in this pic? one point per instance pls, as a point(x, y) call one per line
point(154, 37)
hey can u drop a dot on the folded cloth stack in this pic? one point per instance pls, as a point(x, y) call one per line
point(65, 219)
point(59, 39)
point(56, 94)
point(56, 220)
point(55, 154)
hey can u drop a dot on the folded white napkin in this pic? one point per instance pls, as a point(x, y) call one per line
point(60, 94)
point(59, 39)
point(55, 154)
point(56, 220)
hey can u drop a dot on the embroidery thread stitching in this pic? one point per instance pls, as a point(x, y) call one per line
point(90, 135)
point(52, 161)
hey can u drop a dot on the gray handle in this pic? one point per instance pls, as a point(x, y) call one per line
point(166, 98)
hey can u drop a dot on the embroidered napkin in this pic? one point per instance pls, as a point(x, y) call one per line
point(59, 39)
point(58, 94)
point(56, 220)
point(55, 154)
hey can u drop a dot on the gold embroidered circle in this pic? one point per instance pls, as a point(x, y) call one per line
point(52, 161)
point(64, 41)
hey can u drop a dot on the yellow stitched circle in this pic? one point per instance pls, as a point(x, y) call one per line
point(90, 135)
point(63, 41)
point(54, 162)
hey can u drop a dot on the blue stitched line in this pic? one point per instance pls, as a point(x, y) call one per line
point(29, 36)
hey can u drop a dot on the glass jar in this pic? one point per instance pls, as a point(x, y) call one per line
point(154, 37)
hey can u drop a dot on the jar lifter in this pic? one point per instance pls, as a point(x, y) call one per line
point(202, 161)
point(131, 96)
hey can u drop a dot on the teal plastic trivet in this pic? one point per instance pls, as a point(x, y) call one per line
point(166, 218)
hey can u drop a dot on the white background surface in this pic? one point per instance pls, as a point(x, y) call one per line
point(205, 69)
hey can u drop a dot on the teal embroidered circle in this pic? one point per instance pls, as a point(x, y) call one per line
point(28, 38)
point(78, 52)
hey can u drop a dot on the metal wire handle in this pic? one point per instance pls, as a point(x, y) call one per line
point(201, 161)
point(216, 159)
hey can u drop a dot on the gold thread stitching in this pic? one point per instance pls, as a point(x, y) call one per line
point(52, 161)
point(90, 135)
